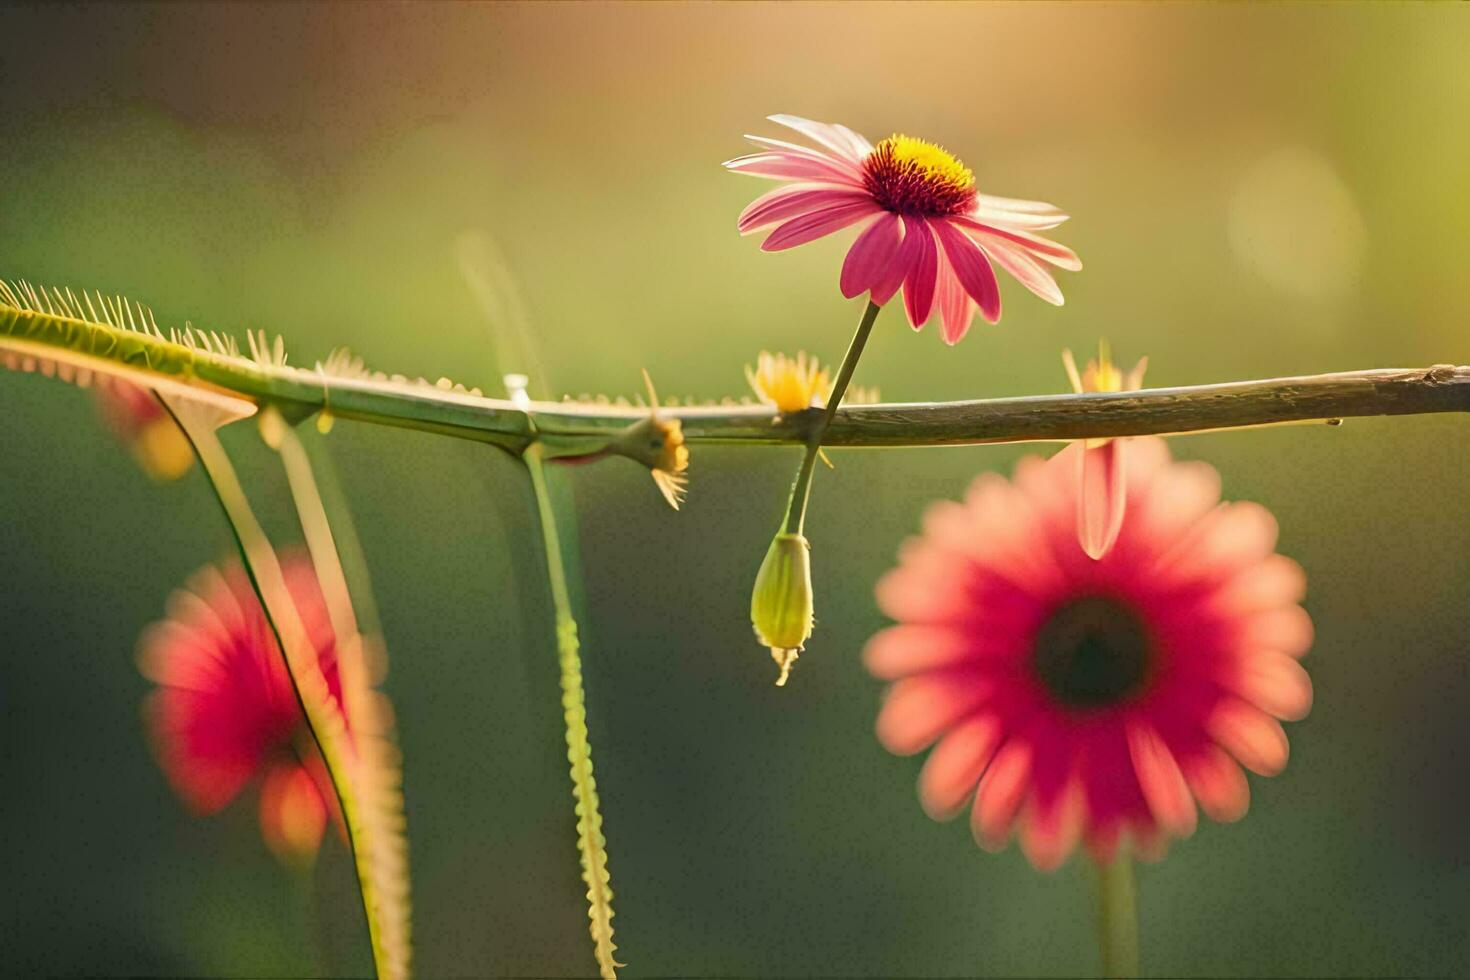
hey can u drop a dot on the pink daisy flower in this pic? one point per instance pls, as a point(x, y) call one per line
point(224, 712)
point(1087, 699)
point(925, 228)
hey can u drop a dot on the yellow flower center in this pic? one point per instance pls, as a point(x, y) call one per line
point(913, 176)
point(938, 164)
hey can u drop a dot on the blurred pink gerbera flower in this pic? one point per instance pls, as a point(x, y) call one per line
point(1074, 698)
point(925, 227)
point(224, 712)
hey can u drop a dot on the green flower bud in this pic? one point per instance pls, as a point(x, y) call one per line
point(781, 605)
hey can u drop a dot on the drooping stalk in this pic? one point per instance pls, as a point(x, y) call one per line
point(591, 843)
point(344, 533)
point(379, 782)
point(324, 722)
point(801, 490)
point(1117, 918)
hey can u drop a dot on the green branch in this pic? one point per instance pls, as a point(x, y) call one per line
point(38, 337)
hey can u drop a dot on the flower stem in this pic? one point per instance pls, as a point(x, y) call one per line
point(590, 840)
point(801, 490)
point(1117, 918)
point(324, 723)
point(378, 782)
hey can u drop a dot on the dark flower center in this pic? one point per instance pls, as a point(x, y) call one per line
point(917, 178)
point(1093, 652)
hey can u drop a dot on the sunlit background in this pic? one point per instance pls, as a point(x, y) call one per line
point(1256, 191)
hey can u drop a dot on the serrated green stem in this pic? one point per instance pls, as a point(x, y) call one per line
point(591, 843)
point(266, 578)
point(1117, 918)
point(580, 430)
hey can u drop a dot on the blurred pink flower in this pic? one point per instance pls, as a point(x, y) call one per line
point(925, 227)
point(1077, 698)
point(136, 417)
point(224, 712)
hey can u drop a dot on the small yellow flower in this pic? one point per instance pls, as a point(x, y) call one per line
point(781, 603)
point(793, 384)
point(658, 443)
point(789, 384)
point(1102, 375)
point(669, 473)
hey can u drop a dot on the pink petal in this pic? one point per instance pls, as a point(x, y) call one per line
point(1005, 212)
point(853, 171)
point(999, 795)
point(1225, 542)
point(953, 769)
point(1014, 205)
point(1217, 783)
point(912, 649)
point(1287, 629)
point(1050, 831)
point(793, 199)
point(785, 165)
point(1252, 736)
point(1102, 495)
point(919, 285)
point(870, 257)
point(971, 267)
point(836, 138)
point(1276, 581)
point(1275, 683)
point(1177, 497)
point(1014, 221)
point(917, 710)
point(1008, 530)
point(809, 227)
point(924, 588)
point(1147, 456)
point(1028, 271)
point(1043, 248)
point(952, 527)
point(898, 270)
point(956, 309)
point(1162, 783)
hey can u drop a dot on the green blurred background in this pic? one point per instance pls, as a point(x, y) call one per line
point(1257, 191)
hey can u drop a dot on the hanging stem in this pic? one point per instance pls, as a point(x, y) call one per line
point(1117, 918)
point(360, 659)
point(801, 490)
point(324, 723)
point(590, 841)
